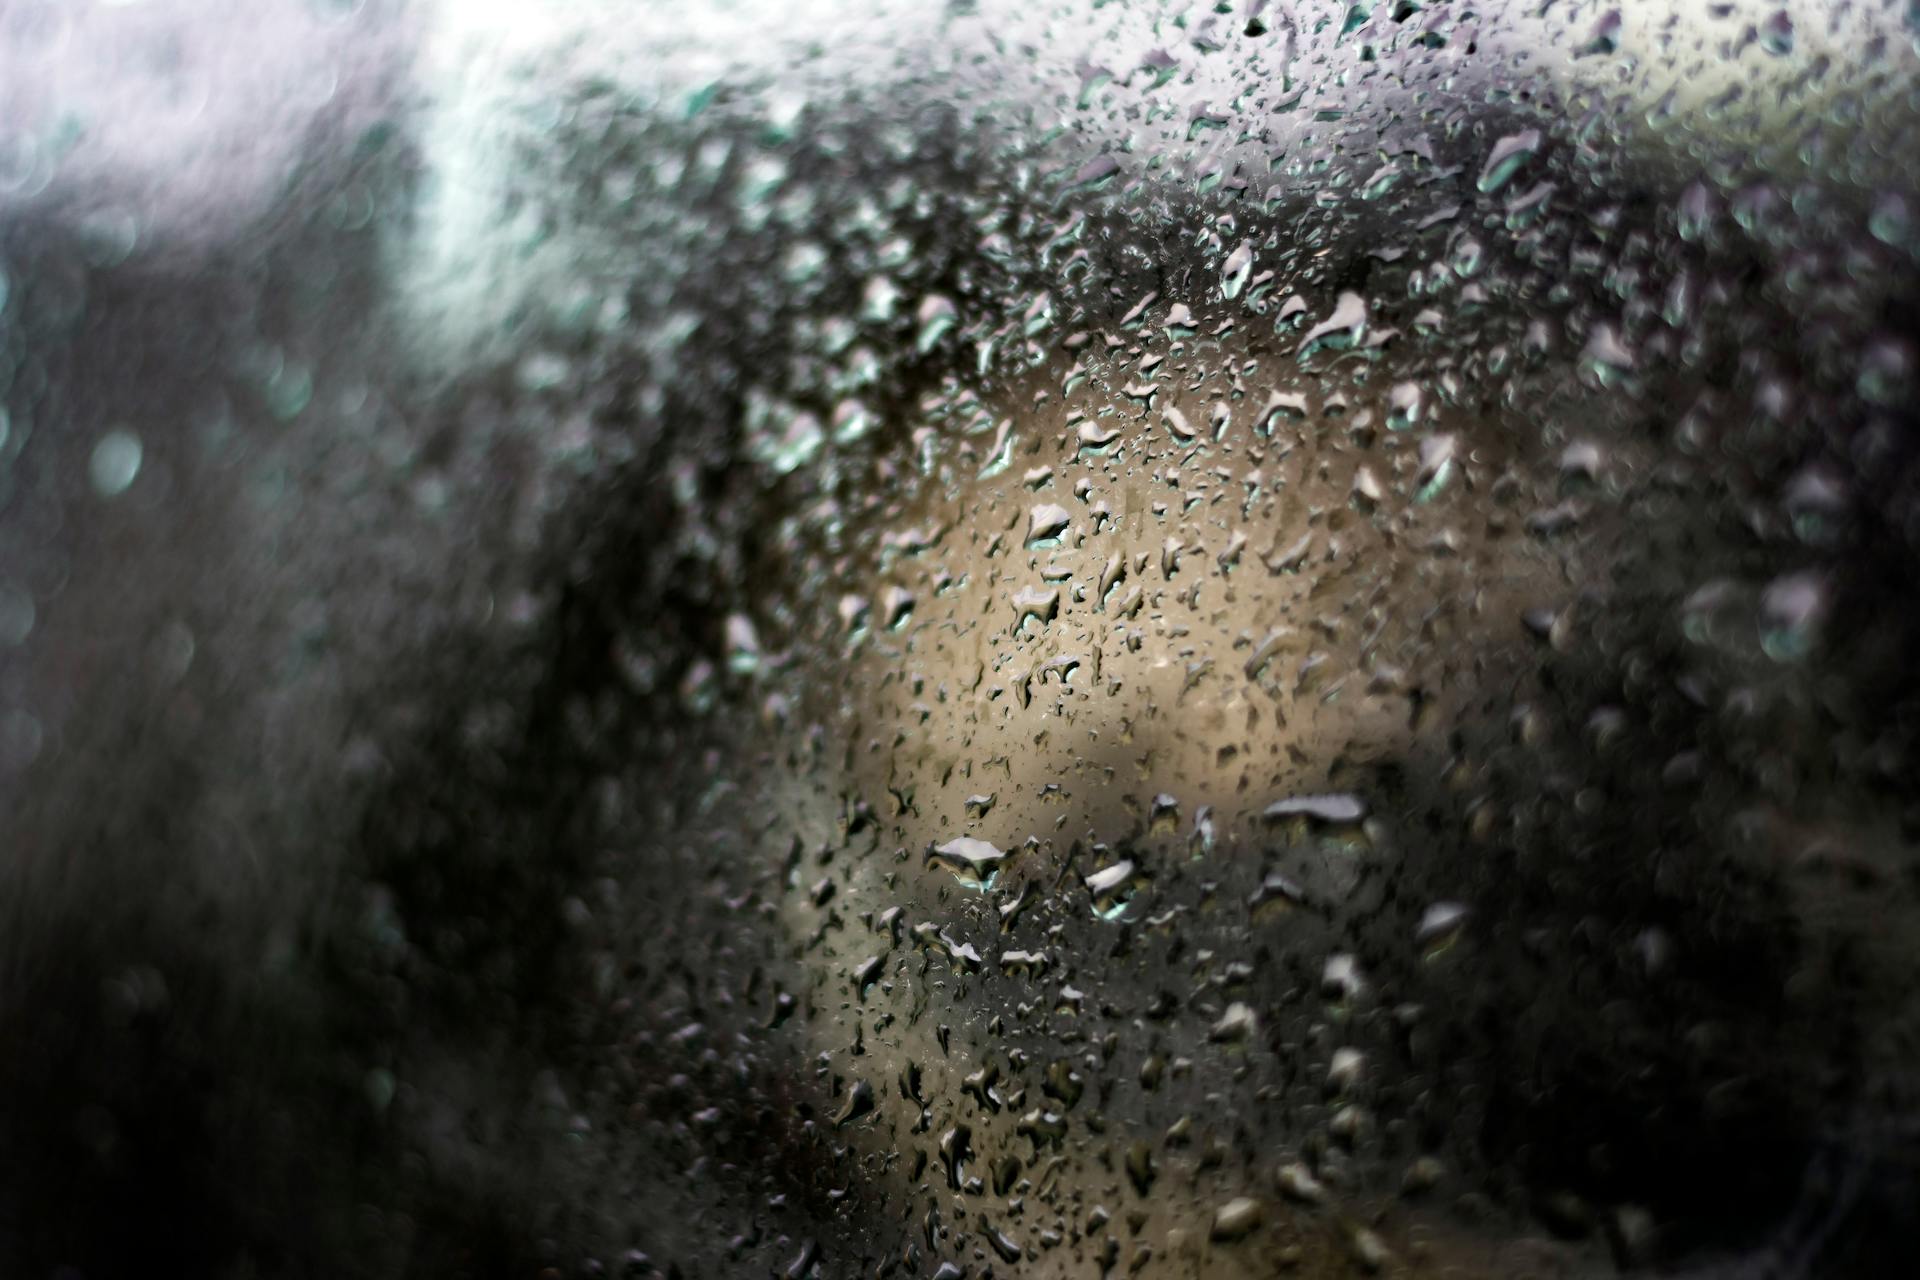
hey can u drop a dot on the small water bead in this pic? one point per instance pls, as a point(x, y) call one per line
point(1506, 157)
point(115, 463)
point(973, 862)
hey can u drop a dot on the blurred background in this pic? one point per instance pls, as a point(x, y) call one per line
point(947, 639)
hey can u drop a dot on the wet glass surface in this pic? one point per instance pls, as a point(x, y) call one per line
point(958, 639)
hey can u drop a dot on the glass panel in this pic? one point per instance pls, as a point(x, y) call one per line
point(955, 639)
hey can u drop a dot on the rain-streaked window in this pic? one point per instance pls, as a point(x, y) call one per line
point(957, 639)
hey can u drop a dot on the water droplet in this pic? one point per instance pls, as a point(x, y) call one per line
point(1112, 888)
point(1140, 1167)
point(1792, 610)
point(974, 863)
point(1776, 33)
point(1603, 38)
point(1506, 158)
point(896, 606)
point(936, 317)
point(115, 463)
point(1236, 271)
point(1236, 1024)
point(1339, 331)
point(1337, 808)
point(1236, 1219)
point(859, 1102)
point(1344, 1070)
point(1039, 603)
point(1891, 221)
point(1297, 1183)
point(1045, 523)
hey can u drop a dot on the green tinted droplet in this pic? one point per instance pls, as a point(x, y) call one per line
point(289, 391)
point(804, 262)
point(1776, 34)
point(700, 99)
point(1404, 401)
point(380, 1087)
point(1506, 157)
point(1112, 888)
point(1384, 179)
point(743, 645)
point(1792, 610)
point(1891, 223)
point(1468, 254)
point(115, 463)
point(1096, 172)
point(108, 237)
point(936, 316)
point(1339, 331)
point(1039, 315)
point(1696, 210)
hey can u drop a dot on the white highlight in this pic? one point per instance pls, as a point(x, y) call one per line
point(494, 250)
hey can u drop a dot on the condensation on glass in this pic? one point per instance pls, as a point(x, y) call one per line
point(958, 639)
